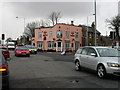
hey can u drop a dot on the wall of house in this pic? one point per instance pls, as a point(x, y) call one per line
point(63, 28)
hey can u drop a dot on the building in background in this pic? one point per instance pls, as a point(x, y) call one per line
point(89, 36)
point(59, 37)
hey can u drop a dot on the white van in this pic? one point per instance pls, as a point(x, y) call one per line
point(11, 45)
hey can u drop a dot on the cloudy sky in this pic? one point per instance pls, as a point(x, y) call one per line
point(78, 11)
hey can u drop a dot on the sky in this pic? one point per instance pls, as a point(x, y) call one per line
point(32, 10)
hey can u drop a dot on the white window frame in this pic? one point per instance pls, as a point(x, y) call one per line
point(40, 45)
point(50, 44)
point(67, 34)
point(39, 34)
point(77, 35)
point(50, 34)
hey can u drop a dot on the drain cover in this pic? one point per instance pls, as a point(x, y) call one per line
point(74, 81)
point(46, 60)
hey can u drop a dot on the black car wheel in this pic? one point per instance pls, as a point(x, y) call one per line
point(101, 72)
point(16, 55)
point(77, 66)
point(28, 55)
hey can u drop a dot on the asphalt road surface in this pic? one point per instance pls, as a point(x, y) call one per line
point(51, 70)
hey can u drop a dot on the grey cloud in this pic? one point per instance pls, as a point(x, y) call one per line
point(43, 9)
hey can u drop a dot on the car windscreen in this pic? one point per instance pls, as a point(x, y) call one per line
point(3, 49)
point(108, 52)
point(0, 61)
point(30, 46)
point(10, 44)
point(1, 58)
point(20, 49)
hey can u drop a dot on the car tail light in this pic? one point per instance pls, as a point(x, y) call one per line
point(27, 52)
point(5, 52)
point(3, 68)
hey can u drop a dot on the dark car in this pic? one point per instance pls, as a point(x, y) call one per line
point(5, 51)
point(4, 72)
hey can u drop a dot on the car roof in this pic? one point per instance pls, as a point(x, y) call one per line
point(96, 47)
point(3, 47)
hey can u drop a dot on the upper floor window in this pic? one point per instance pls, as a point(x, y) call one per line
point(50, 33)
point(67, 34)
point(59, 34)
point(90, 35)
point(39, 34)
point(76, 36)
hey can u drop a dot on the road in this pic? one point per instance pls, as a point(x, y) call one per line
point(51, 70)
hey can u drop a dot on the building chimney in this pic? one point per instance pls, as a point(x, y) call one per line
point(72, 22)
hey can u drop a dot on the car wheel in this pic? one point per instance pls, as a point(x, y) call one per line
point(16, 55)
point(77, 66)
point(28, 55)
point(36, 52)
point(101, 72)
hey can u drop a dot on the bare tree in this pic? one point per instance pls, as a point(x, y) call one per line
point(30, 27)
point(9, 39)
point(114, 24)
point(54, 17)
point(57, 17)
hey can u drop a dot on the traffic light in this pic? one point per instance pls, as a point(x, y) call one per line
point(3, 36)
point(112, 35)
point(27, 38)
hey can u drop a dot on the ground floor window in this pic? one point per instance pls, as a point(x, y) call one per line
point(76, 45)
point(50, 44)
point(40, 45)
point(67, 44)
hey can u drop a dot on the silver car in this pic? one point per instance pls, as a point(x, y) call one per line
point(103, 60)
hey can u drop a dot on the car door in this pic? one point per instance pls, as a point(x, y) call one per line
point(83, 58)
point(92, 60)
point(78, 54)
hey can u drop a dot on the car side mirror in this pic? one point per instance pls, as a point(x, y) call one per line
point(93, 54)
point(8, 59)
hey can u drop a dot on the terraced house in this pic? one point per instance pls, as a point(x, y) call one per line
point(59, 37)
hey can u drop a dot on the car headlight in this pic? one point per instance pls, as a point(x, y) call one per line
point(113, 64)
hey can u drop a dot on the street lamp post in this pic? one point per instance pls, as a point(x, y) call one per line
point(95, 21)
point(23, 19)
point(87, 33)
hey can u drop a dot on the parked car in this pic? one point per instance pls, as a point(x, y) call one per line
point(103, 60)
point(11, 45)
point(4, 72)
point(32, 48)
point(22, 51)
point(5, 51)
point(118, 48)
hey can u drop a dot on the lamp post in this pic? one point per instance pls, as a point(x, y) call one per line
point(87, 33)
point(95, 20)
point(23, 19)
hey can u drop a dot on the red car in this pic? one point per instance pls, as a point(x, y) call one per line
point(4, 73)
point(22, 51)
point(5, 51)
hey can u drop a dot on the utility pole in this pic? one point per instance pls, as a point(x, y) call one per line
point(95, 21)
point(24, 24)
point(87, 33)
